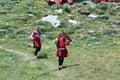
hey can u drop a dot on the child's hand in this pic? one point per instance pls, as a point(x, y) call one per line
point(56, 41)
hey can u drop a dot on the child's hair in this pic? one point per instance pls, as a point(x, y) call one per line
point(60, 33)
point(38, 27)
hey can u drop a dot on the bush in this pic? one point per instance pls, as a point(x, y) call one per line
point(100, 12)
point(3, 33)
point(84, 24)
point(34, 11)
point(102, 6)
point(46, 28)
point(50, 35)
point(91, 9)
point(66, 8)
point(64, 24)
point(116, 23)
point(41, 23)
point(22, 32)
point(70, 31)
point(103, 17)
point(109, 32)
point(112, 11)
point(11, 35)
point(95, 34)
point(5, 25)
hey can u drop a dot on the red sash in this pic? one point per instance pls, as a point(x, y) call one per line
point(58, 1)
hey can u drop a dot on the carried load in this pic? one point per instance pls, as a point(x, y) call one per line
point(50, 2)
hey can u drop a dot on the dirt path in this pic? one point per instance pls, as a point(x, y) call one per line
point(25, 56)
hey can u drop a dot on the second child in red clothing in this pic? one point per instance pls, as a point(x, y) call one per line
point(35, 36)
point(61, 42)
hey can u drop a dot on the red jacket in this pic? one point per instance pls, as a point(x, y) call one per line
point(61, 48)
point(61, 43)
point(36, 39)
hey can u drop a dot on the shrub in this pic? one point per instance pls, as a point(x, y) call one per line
point(2, 33)
point(64, 24)
point(92, 9)
point(66, 8)
point(108, 32)
point(112, 11)
point(103, 17)
point(84, 24)
point(100, 12)
point(116, 23)
point(102, 6)
point(70, 31)
point(11, 35)
point(50, 35)
point(34, 11)
point(5, 25)
point(94, 34)
point(46, 28)
point(22, 32)
point(41, 23)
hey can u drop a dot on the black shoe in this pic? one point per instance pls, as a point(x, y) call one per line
point(36, 56)
point(60, 67)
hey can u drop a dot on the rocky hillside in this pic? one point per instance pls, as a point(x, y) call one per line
point(92, 24)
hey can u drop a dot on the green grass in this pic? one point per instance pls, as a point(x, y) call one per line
point(95, 64)
point(14, 67)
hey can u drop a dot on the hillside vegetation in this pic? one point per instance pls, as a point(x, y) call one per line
point(94, 51)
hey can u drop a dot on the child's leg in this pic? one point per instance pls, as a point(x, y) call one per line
point(60, 60)
point(36, 51)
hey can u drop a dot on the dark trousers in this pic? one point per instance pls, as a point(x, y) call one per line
point(50, 3)
point(36, 51)
point(60, 61)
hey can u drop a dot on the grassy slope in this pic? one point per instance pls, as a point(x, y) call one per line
point(14, 67)
point(94, 53)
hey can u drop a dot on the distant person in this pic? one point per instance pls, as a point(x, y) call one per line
point(98, 1)
point(70, 2)
point(35, 36)
point(61, 42)
point(59, 2)
point(115, 0)
point(50, 2)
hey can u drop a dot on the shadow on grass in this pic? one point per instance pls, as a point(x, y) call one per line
point(70, 66)
point(42, 56)
point(56, 69)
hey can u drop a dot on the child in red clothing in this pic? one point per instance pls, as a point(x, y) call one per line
point(61, 42)
point(35, 36)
